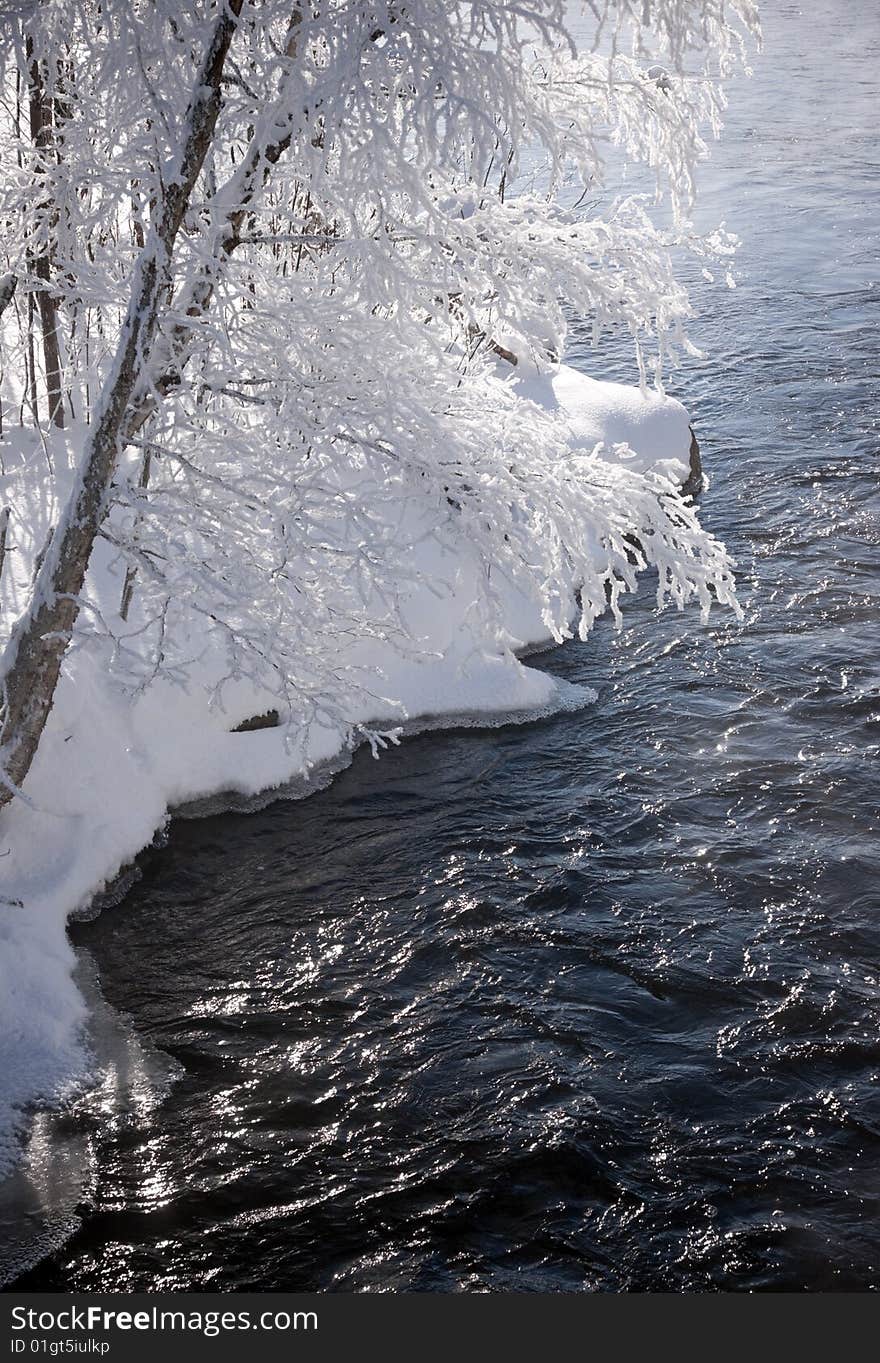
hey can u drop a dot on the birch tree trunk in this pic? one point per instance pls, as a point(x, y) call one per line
point(32, 661)
point(172, 350)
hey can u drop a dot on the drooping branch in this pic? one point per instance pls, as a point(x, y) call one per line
point(32, 661)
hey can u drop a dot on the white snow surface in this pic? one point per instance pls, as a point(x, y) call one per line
point(112, 765)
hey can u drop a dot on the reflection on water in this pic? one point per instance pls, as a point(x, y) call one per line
point(594, 1003)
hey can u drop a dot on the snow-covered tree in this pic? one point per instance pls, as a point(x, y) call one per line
point(284, 253)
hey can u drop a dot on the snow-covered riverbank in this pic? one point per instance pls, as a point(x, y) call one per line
point(114, 762)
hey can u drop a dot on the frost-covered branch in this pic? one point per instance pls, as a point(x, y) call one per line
point(280, 307)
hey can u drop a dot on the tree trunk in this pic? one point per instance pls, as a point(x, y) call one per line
point(4, 527)
point(30, 365)
point(7, 293)
point(32, 662)
point(29, 393)
point(40, 106)
point(173, 348)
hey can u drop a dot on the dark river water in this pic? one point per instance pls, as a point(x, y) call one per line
point(592, 1003)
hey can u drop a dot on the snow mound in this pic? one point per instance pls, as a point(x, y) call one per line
point(656, 427)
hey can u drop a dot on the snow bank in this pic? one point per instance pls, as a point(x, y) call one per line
point(111, 765)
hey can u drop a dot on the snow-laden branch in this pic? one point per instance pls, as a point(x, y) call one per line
point(282, 302)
